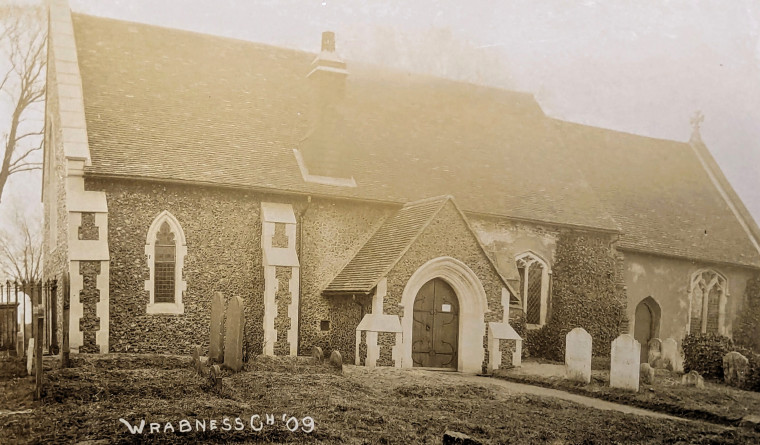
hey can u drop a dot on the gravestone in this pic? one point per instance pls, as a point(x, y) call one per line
point(216, 344)
point(19, 344)
point(30, 357)
point(317, 354)
point(655, 358)
point(200, 367)
point(578, 355)
point(624, 363)
point(646, 373)
point(233, 338)
point(215, 376)
point(336, 360)
point(693, 379)
point(671, 355)
point(735, 368)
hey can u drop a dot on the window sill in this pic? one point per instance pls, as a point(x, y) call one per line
point(166, 308)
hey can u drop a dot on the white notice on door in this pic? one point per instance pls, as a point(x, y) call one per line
point(445, 308)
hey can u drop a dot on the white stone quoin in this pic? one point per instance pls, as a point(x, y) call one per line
point(376, 322)
point(503, 331)
point(578, 345)
point(273, 257)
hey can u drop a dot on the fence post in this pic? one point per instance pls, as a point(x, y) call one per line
point(65, 326)
point(39, 315)
point(54, 317)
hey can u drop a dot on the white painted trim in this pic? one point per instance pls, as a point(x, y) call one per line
point(180, 285)
point(473, 305)
point(316, 179)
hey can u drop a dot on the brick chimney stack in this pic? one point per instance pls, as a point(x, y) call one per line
point(328, 73)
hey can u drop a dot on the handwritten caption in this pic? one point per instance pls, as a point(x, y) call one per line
point(256, 423)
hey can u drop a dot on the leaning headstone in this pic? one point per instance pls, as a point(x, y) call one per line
point(233, 338)
point(317, 354)
point(646, 373)
point(197, 363)
point(216, 344)
point(624, 363)
point(693, 379)
point(671, 355)
point(578, 355)
point(336, 360)
point(457, 438)
point(215, 376)
point(654, 357)
point(735, 368)
point(30, 357)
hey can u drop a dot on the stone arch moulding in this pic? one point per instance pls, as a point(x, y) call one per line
point(527, 258)
point(718, 279)
point(473, 306)
point(180, 286)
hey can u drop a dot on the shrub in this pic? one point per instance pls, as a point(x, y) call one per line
point(704, 353)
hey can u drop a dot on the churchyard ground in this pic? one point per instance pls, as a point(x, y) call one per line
point(716, 402)
point(359, 406)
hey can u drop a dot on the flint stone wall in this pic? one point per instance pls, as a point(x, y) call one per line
point(333, 232)
point(55, 234)
point(222, 229)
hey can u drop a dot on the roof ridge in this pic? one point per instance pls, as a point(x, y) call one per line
point(427, 200)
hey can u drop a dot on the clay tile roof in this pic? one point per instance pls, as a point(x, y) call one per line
point(175, 105)
point(389, 243)
point(662, 196)
point(166, 104)
point(386, 246)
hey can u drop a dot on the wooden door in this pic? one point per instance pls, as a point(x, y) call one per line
point(435, 332)
point(642, 330)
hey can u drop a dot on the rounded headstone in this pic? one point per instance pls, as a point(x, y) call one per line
point(336, 360)
point(735, 368)
point(317, 354)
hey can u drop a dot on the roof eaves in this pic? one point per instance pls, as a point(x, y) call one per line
point(422, 228)
point(634, 249)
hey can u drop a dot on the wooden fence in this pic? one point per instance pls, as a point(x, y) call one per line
point(17, 301)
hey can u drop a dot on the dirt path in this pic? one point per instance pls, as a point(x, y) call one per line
point(582, 400)
point(387, 378)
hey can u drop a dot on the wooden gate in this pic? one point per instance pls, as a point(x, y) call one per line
point(435, 332)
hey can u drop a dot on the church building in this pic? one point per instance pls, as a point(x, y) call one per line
point(404, 220)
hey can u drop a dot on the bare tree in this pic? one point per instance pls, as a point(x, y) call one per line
point(21, 247)
point(22, 37)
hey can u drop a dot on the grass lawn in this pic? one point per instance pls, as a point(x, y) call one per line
point(358, 406)
point(716, 402)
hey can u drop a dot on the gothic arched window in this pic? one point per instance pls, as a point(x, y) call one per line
point(165, 248)
point(708, 292)
point(534, 287)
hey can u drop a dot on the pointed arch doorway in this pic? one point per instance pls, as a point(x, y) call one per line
point(435, 328)
point(646, 325)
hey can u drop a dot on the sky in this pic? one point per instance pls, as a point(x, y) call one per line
point(637, 67)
